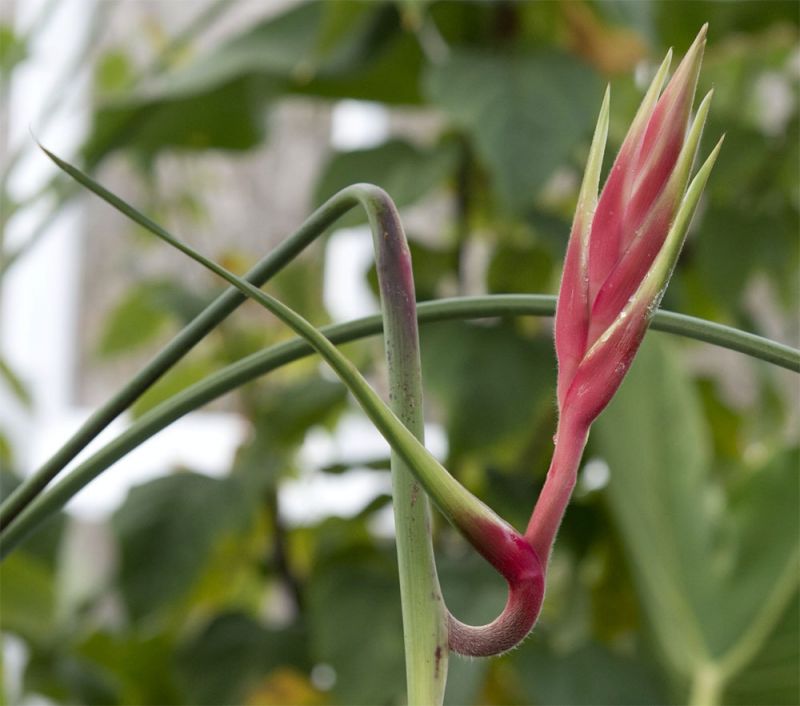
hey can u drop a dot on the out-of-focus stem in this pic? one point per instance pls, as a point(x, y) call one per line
point(706, 688)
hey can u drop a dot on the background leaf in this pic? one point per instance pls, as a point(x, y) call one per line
point(231, 655)
point(167, 528)
point(705, 578)
point(402, 169)
point(509, 378)
point(525, 121)
point(358, 596)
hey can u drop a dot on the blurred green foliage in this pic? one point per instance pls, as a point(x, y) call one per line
point(680, 572)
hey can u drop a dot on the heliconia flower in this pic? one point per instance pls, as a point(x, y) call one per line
point(624, 245)
point(621, 253)
point(622, 250)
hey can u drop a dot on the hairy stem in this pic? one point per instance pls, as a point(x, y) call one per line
point(549, 510)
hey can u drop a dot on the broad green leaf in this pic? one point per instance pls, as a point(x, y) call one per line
point(167, 530)
point(220, 99)
point(309, 39)
point(64, 676)
point(230, 117)
point(355, 626)
point(678, 20)
point(139, 665)
point(508, 376)
point(731, 230)
point(528, 116)
point(520, 270)
point(184, 374)
point(231, 655)
point(287, 411)
point(405, 171)
point(377, 78)
point(591, 674)
point(28, 597)
point(300, 286)
point(283, 416)
point(714, 570)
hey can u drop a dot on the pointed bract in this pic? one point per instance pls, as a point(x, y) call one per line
point(617, 266)
point(572, 315)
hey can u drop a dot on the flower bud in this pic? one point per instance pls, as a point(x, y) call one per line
point(624, 244)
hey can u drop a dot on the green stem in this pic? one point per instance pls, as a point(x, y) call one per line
point(424, 616)
point(322, 218)
point(706, 688)
point(263, 362)
point(188, 337)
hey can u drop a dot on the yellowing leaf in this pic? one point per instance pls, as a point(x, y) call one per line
point(285, 686)
point(613, 50)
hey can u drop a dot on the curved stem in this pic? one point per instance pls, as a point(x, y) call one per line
point(423, 611)
point(523, 570)
point(491, 536)
point(273, 358)
point(499, 543)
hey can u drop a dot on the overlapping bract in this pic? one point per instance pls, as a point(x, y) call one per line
point(624, 244)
